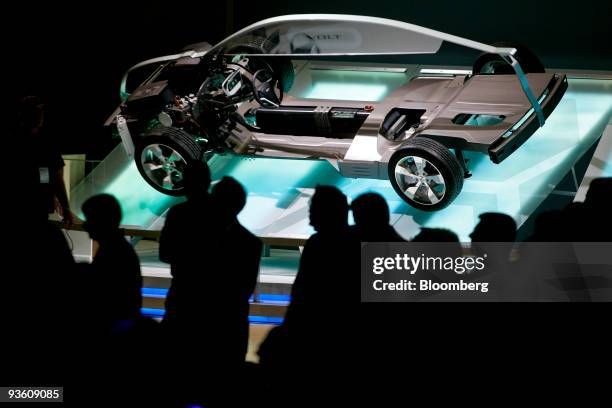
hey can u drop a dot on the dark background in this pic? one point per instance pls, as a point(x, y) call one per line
point(74, 53)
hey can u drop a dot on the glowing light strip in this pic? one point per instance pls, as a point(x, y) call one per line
point(261, 298)
point(446, 71)
point(150, 312)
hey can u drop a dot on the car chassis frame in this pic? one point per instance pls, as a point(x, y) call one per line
point(379, 130)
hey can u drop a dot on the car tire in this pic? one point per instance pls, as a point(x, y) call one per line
point(487, 63)
point(425, 174)
point(162, 155)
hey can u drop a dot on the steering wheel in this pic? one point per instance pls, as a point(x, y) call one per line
point(264, 89)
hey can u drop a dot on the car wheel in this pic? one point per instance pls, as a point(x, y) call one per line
point(425, 174)
point(162, 155)
point(494, 64)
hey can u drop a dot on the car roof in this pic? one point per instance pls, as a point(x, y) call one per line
point(340, 35)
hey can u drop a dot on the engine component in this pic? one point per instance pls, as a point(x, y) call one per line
point(165, 119)
point(398, 121)
point(149, 98)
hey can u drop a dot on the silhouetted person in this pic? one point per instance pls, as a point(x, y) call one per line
point(206, 306)
point(36, 293)
point(498, 228)
point(599, 192)
point(371, 215)
point(549, 227)
point(577, 223)
point(494, 227)
point(320, 318)
point(226, 284)
point(555, 264)
point(324, 258)
point(451, 248)
point(240, 252)
point(186, 243)
point(435, 235)
point(120, 339)
point(34, 298)
point(115, 262)
point(493, 237)
point(589, 221)
point(580, 221)
point(47, 165)
point(598, 217)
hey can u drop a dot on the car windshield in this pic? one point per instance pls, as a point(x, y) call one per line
point(330, 35)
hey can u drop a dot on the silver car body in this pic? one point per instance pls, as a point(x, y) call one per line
point(519, 101)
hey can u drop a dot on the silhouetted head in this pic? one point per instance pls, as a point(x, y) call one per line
point(102, 216)
point(230, 197)
point(30, 113)
point(328, 209)
point(450, 245)
point(370, 211)
point(494, 227)
point(435, 235)
point(196, 179)
point(600, 191)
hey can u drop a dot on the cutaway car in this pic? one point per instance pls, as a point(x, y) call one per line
point(235, 97)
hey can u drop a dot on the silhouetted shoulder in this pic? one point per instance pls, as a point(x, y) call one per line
point(395, 237)
point(314, 238)
point(177, 209)
point(251, 238)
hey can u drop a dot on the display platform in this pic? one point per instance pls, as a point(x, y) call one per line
point(279, 189)
point(268, 303)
